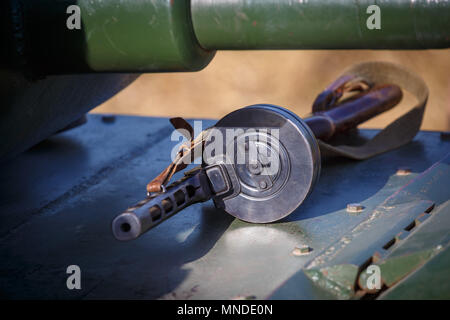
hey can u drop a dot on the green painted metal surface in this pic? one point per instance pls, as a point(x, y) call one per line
point(424, 259)
point(401, 235)
point(115, 35)
point(339, 280)
point(286, 24)
point(426, 283)
point(395, 269)
point(141, 36)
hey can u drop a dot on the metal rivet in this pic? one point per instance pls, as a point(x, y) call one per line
point(403, 171)
point(355, 207)
point(263, 184)
point(254, 168)
point(301, 251)
point(445, 135)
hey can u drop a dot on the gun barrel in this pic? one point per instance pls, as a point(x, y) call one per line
point(155, 209)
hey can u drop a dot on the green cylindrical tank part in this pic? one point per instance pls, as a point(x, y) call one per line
point(115, 36)
point(321, 24)
point(181, 35)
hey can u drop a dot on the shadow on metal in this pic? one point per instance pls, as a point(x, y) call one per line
point(344, 181)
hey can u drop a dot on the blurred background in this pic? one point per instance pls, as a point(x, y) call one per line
point(291, 79)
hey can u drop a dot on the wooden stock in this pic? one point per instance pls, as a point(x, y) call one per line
point(349, 114)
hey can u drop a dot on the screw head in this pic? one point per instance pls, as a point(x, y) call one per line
point(403, 171)
point(301, 250)
point(263, 184)
point(355, 207)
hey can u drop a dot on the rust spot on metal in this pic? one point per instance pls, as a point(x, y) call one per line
point(376, 257)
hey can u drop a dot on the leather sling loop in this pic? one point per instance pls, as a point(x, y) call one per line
point(398, 132)
point(184, 156)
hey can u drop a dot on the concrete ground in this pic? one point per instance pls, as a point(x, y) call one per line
point(288, 78)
